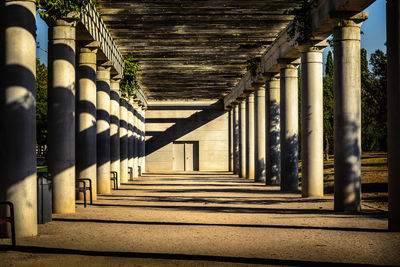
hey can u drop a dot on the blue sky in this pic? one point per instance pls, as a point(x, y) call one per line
point(374, 29)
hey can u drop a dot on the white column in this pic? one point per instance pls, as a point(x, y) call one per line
point(260, 136)
point(139, 140)
point(312, 122)
point(86, 154)
point(242, 144)
point(236, 139)
point(289, 128)
point(123, 139)
point(135, 140)
point(230, 128)
point(143, 144)
point(61, 114)
point(273, 131)
point(103, 133)
point(131, 138)
point(250, 138)
point(114, 127)
point(347, 116)
point(17, 115)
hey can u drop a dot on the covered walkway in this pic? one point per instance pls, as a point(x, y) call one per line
point(207, 218)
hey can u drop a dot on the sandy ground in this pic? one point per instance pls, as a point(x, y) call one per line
point(207, 219)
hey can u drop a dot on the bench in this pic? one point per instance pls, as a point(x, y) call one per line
point(9, 219)
point(114, 178)
point(84, 188)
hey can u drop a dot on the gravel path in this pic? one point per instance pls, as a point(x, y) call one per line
point(207, 219)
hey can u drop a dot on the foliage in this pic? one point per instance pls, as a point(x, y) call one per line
point(41, 103)
point(302, 24)
point(131, 72)
point(252, 65)
point(328, 105)
point(56, 9)
point(373, 105)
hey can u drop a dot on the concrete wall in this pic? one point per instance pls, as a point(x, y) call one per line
point(202, 122)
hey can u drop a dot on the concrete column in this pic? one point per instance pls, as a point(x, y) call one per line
point(131, 137)
point(289, 128)
point(143, 144)
point(123, 140)
point(273, 176)
point(86, 157)
point(230, 129)
point(236, 139)
point(393, 91)
point(312, 122)
point(251, 138)
point(135, 140)
point(17, 115)
point(103, 131)
point(260, 136)
point(61, 114)
point(347, 116)
point(242, 144)
point(114, 127)
point(139, 137)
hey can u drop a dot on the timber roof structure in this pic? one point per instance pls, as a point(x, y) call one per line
point(194, 49)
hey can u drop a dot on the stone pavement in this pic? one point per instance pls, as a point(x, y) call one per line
point(207, 219)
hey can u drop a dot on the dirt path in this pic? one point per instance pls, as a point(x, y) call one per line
point(206, 219)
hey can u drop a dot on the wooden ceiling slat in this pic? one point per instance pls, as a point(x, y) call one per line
point(194, 48)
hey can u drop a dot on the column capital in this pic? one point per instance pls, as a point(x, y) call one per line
point(348, 19)
point(64, 28)
point(105, 64)
point(250, 98)
point(315, 48)
point(86, 46)
point(117, 81)
point(261, 88)
point(116, 78)
point(228, 108)
point(288, 63)
point(273, 76)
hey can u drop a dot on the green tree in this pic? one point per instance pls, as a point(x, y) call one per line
point(328, 106)
point(367, 114)
point(373, 105)
point(41, 103)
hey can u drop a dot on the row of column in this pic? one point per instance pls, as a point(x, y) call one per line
point(87, 139)
point(95, 154)
point(266, 134)
point(110, 128)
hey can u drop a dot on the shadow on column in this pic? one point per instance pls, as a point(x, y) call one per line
point(114, 139)
point(273, 145)
point(347, 185)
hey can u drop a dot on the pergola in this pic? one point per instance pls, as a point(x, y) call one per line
point(228, 51)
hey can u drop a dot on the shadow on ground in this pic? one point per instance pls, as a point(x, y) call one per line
point(168, 256)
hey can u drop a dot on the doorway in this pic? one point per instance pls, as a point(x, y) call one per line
point(185, 156)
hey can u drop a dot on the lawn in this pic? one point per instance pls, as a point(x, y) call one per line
point(374, 178)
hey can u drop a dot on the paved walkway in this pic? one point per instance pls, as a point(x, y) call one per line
point(207, 219)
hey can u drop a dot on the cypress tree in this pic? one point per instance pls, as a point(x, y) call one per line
point(328, 106)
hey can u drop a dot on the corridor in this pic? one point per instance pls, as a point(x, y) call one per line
point(203, 219)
